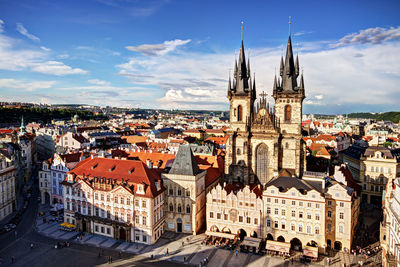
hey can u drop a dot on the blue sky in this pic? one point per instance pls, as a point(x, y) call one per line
point(178, 54)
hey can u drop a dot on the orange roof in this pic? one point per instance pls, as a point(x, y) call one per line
point(155, 157)
point(218, 140)
point(133, 171)
point(133, 139)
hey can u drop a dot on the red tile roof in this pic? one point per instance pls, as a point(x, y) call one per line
point(132, 171)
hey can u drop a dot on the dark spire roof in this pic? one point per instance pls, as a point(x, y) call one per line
point(301, 82)
point(289, 73)
point(296, 66)
point(281, 66)
point(185, 163)
point(254, 93)
point(241, 83)
point(275, 85)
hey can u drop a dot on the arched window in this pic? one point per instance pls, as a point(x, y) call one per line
point(179, 208)
point(240, 113)
point(262, 163)
point(288, 113)
point(171, 207)
point(188, 208)
point(179, 192)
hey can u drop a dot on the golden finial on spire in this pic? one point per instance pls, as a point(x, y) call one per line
point(242, 22)
point(290, 22)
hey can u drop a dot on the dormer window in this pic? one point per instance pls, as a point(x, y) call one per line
point(112, 168)
point(94, 166)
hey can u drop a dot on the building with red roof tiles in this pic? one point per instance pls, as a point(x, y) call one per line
point(73, 141)
point(122, 199)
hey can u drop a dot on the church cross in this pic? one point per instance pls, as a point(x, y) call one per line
point(263, 94)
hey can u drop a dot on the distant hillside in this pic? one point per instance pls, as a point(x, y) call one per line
point(13, 115)
point(393, 116)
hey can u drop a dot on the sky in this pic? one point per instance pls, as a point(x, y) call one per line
point(178, 54)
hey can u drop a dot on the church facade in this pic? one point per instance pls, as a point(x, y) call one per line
point(264, 140)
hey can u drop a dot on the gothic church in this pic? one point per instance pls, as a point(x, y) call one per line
point(265, 141)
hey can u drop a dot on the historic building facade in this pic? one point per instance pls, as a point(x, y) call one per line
point(8, 174)
point(263, 140)
point(122, 199)
point(185, 193)
point(378, 165)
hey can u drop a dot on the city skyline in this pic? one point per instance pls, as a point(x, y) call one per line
point(174, 54)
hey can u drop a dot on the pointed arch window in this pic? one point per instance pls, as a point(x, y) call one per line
point(188, 208)
point(171, 207)
point(288, 113)
point(262, 163)
point(240, 113)
point(179, 208)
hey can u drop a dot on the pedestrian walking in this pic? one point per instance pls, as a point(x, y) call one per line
point(12, 259)
point(328, 261)
point(167, 251)
point(110, 259)
point(237, 252)
point(183, 243)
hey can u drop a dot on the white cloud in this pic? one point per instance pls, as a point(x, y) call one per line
point(319, 97)
point(1, 26)
point(45, 48)
point(98, 82)
point(158, 49)
point(56, 68)
point(371, 35)
point(22, 30)
point(24, 85)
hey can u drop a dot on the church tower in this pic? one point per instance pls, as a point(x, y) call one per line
point(289, 95)
point(241, 95)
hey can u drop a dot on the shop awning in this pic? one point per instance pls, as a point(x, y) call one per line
point(277, 246)
point(310, 251)
point(68, 225)
point(251, 242)
point(220, 234)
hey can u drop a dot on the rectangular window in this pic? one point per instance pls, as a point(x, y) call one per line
point(97, 212)
point(293, 213)
point(108, 214)
point(137, 219)
point(89, 210)
point(116, 200)
point(96, 196)
point(268, 223)
point(101, 197)
point(276, 224)
point(219, 216)
point(276, 211)
point(301, 204)
point(122, 201)
point(211, 215)
point(108, 198)
point(144, 220)
point(317, 206)
point(268, 199)
point(317, 217)
point(255, 221)
point(283, 212)
point(300, 214)
point(309, 216)
point(300, 228)
point(248, 220)
point(225, 217)
point(329, 214)
point(136, 202)
point(102, 229)
point(329, 203)
point(293, 227)
point(309, 205)
point(341, 215)
point(283, 225)
point(108, 231)
point(143, 203)
point(276, 200)
point(144, 238)
point(341, 204)
point(283, 201)
point(128, 201)
point(293, 203)
point(268, 210)
point(96, 228)
point(240, 218)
